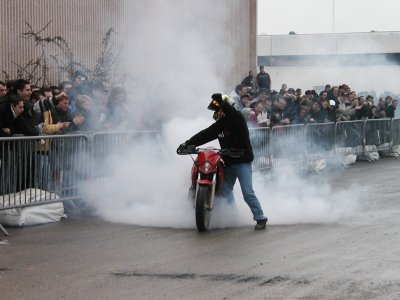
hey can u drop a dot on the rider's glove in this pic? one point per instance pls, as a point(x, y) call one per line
point(182, 147)
point(217, 97)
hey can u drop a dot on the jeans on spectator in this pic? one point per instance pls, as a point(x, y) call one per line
point(243, 172)
point(42, 171)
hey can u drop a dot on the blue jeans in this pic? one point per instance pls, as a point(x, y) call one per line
point(243, 172)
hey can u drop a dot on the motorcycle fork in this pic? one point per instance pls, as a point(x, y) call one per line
point(213, 184)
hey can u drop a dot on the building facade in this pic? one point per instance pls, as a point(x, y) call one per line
point(364, 61)
point(225, 31)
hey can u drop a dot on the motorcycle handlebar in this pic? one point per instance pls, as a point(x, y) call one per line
point(232, 152)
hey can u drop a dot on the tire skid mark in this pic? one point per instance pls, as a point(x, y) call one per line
point(274, 280)
point(238, 278)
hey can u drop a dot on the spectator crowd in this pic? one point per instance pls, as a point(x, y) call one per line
point(264, 107)
point(83, 105)
point(72, 106)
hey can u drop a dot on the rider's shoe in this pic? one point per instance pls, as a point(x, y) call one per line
point(261, 224)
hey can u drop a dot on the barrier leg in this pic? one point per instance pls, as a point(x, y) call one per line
point(4, 230)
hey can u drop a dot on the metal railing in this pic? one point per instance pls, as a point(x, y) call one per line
point(59, 164)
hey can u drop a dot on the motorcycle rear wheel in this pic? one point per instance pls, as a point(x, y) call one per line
point(203, 213)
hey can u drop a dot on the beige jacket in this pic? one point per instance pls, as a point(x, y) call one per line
point(48, 128)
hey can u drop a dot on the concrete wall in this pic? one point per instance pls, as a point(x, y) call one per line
point(315, 44)
point(227, 27)
point(82, 24)
point(365, 61)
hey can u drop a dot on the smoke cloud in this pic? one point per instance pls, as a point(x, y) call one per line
point(148, 183)
point(171, 74)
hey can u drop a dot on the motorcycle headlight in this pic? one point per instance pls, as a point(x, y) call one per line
point(207, 166)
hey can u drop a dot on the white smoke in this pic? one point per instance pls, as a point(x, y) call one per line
point(148, 185)
point(173, 74)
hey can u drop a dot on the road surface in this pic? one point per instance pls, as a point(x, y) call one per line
point(86, 258)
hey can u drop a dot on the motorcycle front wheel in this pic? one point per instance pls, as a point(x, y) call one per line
point(203, 212)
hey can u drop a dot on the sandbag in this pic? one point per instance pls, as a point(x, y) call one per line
point(31, 215)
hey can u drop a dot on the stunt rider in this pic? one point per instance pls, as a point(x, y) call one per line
point(231, 130)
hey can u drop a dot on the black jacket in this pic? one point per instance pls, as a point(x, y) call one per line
point(231, 131)
point(390, 111)
point(17, 125)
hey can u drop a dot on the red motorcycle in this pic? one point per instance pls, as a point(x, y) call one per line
point(207, 178)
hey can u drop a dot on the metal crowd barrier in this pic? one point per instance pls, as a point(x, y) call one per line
point(282, 140)
point(349, 137)
point(105, 144)
point(260, 139)
point(395, 132)
point(52, 168)
point(378, 135)
point(44, 169)
point(37, 164)
point(294, 144)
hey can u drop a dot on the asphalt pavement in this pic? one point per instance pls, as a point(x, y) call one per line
point(83, 257)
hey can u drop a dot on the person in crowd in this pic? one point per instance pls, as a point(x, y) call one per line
point(244, 102)
point(333, 93)
point(314, 95)
point(12, 122)
point(118, 115)
point(361, 110)
point(65, 86)
point(329, 108)
point(99, 106)
point(344, 88)
point(292, 103)
point(3, 90)
point(344, 109)
point(268, 107)
point(279, 115)
point(299, 94)
point(249, 81)
point(80, 86)
point(323, 95)
point(391, 109)
point(55, 90)
point(283, 89)
point(11, 118)
point(352, 99)
point(85, 109)
point(369, 100)
point(63, 123)
point(260, 117)
point(60, 121)
point(263, 80)
point(247, 112)
point(262, 96)
point(373, 113)
point(382, 107)
point(46, 92)
point(327, 88)
point(36, 96)
point(240, 91)
point(43, 167)
point(308, 94)
point(29, 117)
point(34, 88)
point(232, 132)
point(388, 100)
point(31, 111)
point(317, 115)
point(302, 117)
point(61, 117)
